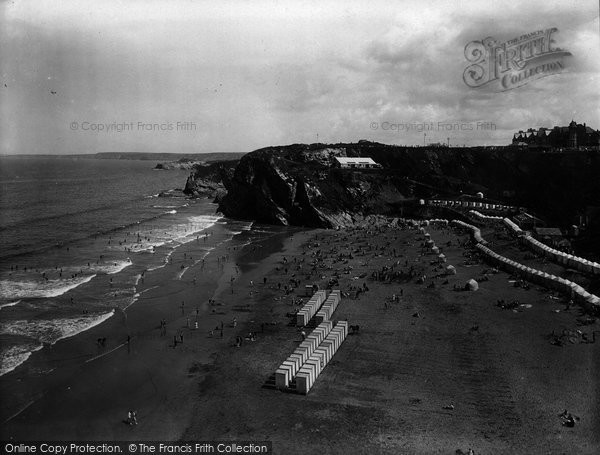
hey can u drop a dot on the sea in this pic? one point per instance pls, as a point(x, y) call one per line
point(78, 234)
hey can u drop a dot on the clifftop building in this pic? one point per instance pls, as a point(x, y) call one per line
point(574, 136)
point(355, 163)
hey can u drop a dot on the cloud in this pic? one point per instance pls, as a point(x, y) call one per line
point(250, 74)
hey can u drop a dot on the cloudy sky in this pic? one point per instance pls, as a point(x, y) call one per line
point(240, 75)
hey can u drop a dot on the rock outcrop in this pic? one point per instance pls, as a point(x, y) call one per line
point(207, 179)
point(296, 185)
point(179, 164)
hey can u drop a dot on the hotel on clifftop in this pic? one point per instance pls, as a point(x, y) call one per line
point(572, 137)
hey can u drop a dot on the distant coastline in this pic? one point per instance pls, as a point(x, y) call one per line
point(144, 156)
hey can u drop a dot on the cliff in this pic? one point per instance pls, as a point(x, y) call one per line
point(182, 163)
point(296, 185)
point(206, 179)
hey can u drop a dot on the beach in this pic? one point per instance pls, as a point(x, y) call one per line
point(433, 371)
point(96, 386)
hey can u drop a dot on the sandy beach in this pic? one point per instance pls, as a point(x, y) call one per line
point(78, 389)
point(435, 371)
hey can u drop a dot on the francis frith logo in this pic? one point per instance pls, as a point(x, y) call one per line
point(515, 62)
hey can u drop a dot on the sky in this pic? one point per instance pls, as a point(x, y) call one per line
point(233, 76)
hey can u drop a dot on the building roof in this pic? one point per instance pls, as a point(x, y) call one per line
point(344, 160)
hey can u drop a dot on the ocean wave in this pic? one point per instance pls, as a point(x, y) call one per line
point(137, 295)
point(14, 356)
point(211, 219)
point(4, 305)
point(74, 213)
point(49, 331)
point(182, 271)
point(150, 239)
point(93, 235)
point(115, 267)
point(40, 288)
point(106, 267)
point(171, 212)
point(156, 267)
point(165, 261)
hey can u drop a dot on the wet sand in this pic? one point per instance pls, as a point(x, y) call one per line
point(76, 389)
point(436, 371)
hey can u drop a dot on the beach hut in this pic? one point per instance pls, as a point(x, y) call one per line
point(471, 285)
point(442, 257)
point(450, 270)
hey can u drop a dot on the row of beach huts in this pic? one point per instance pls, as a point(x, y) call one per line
point(570, 288)
point(472, 204)
point(304, 365)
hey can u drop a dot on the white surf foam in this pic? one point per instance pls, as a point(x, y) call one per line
point(52, 330)
point(106, 267)
point(181, 272)
point(113, 267)
point(40, 288)
point(4, 305)
point(14, 356)
point(137, 295)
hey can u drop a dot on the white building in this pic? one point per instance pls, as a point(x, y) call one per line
point(355, 163)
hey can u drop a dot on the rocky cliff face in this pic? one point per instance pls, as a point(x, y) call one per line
point(207, 179)
point(296, 185)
